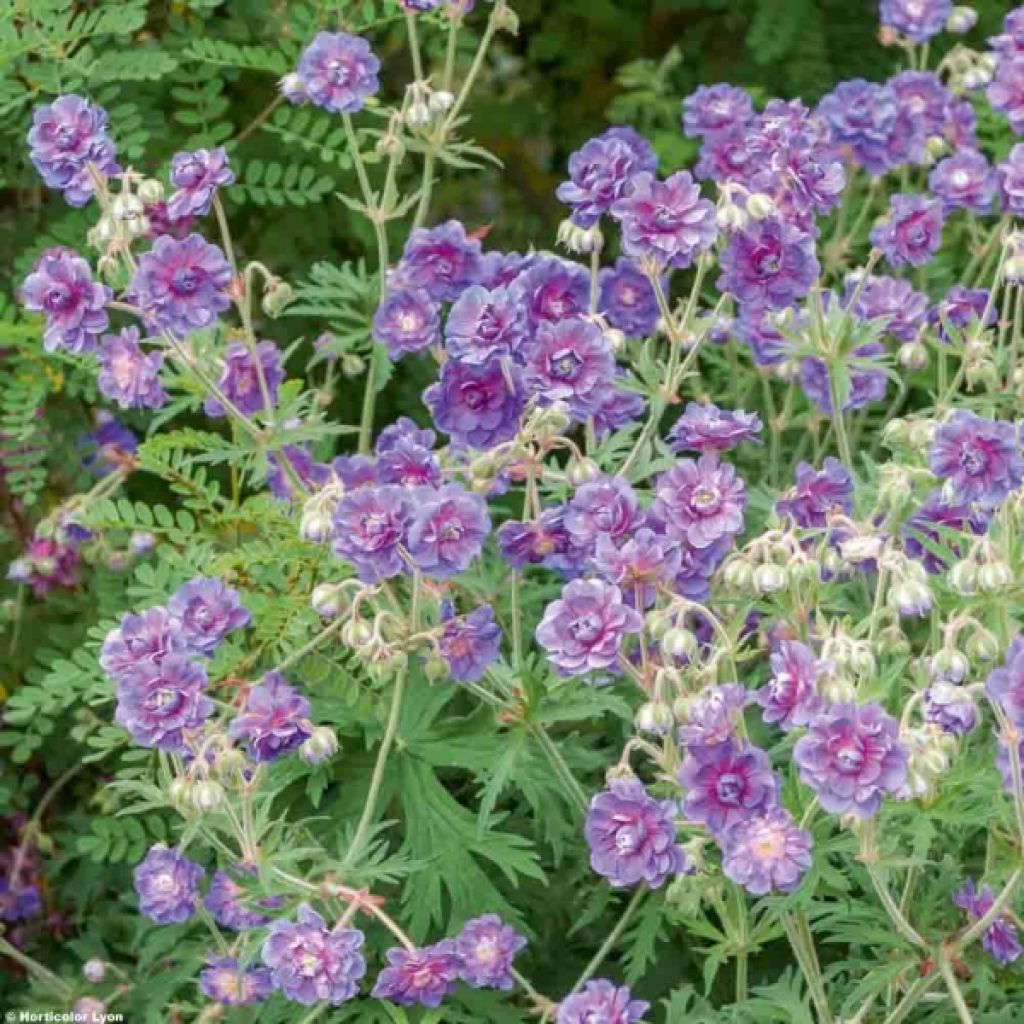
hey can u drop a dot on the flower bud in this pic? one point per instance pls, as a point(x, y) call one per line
point(577, 239)
point(616, 339)
point(580, 471)
point(896, 431)
point(838, 688)
point(1013, 268)
point(760, 206)
point(89, 1011)
point(679, 643)
point(94, 970)
point(654, 718)
point(126, 207)
point(961, 20)
point(770, 578)
point(658, 623)
point(982, 371)
point(179, 791)
point(910, 597)
point(913, 355)
point(317, 524)
point(993, 576)
point(731, 218)
point(276, 296)
point(230, 764)
point(921, 433)
point(552, 420)
point(151, 191)
point(207, 795)
point(949, 666)
point(738, 574)
point(328, 600)
point(356, 633)
point(963, 577)
point(142, 542)
point(435, 667)
point(441, 100)
point(321, 746)
point(418, 115)
point(505, 19)
point(983, 645)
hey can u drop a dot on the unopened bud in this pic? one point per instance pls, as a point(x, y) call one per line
point(961, 20)
point(993, 576)
point(89, 1011)
point(963, 577)
point(679, 643)
point(760, 206)
point(317, 524)
point(896, 431)
point(352, 365)
point(910, 597)
point(179, 791)
point(731, 218)
point(94, 970)
point(418, 115)
point(949, 666)
point(207, 795)
point(441, 101)
point(655, 718)
point(356, 633)
point(328, 600)
point(276, 296)
point(983, 645)
point(770, 578)
point(141, 542)
point(321, 746)
point(505, 19)
point(151, 191)
point(580, 471)
point(435, 667)
point(913, 355)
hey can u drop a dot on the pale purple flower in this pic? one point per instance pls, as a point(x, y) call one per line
point(697, 566)
point(18, 902)
point(767, 853)
point(960, 308)
point(632, 836)
point(725, 157)
point(601, 1002)
point(486, 948)
point(706, 428)
point(964, 181)
point(275, 719)
point(1006, 90)
point(128, 375)
point(61, 287)
point(790, 698)
point(851, 757)
point(66, 136)
point(1005, 685)
point(918, 20)
point(421, 976)
point(167, 884)
point(500, 269)
point(447, 530)
point(700, 501)
point(158, 705)
point(769, 265)
point(407, 321)
point(615, 408)
point(1004, 763)
point(227, 903)
point(140, 643)
point(469, 643)
point(892, 299)
point(339, 72)
point(109, 445)
point(570, 361)
point(196, 176)
point(980, 459)
point(310, 963)
point(940, 523)
point(1011, 181)
point(637, 565)
point(816, 494)
point(240, 380)
point(924, 106)
point(600, 172)
point(401, 430)
point(727, 784)
point(863, 119)
point(667, 221)
point(712, 109)
point(911, 233)
point(866, 381)
point(409, 464)
point(312, 475)
point(182, 285)
point(544, 540)
point(1000, 940)
point(208, 610)
point(553, 290)
point(355, 471)
point(950, 707)
point(226, 982)
point(605, 505)
point(478, 406)
point(442, 261)
point(759, 331)
point(627, 299)
point(371, 524)
point(486, 323)
point(583, 630)
point(1011, 39)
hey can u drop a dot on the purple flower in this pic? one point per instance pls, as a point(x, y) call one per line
point(544, 540)
point(61, 287)
point(615, 408)
point(851, 757)
point(1006, 90)
point(208, 610)
point(924, 111)
point(570, 361)
point(500, 269)
point(409, 464)
point(167, 884)
point(960, 308)
point(226, 901)
point(727, 784)
point(918, 20)
point(759, 331)
point(980, 459)
point(109, 446)
point(644, 560)
point(769, 265)
point(950, 707)
point(313, 475)
point(767, 853)
point(1005, 685)
point(226, 982)
point(240, 379)
point(600, 1001)
point(964, 181)
point(64, 139)
point(725, 157)
point(891, 298)
point(447, 530)
point(355, 471)
point(370, 525)
point(790, 698)
point(478, 406)
point(713, 716)
point(632, 836)
point(583, 630)
point(606, 505)
point(1011, 181)
point(469, 643)
point(486, 323)
point(424, 976)
point(911, 232)
point(554, 290)
point(339, 72)
point(128, 375)
point(140, 643)
point(866, 381)
point(197, 176)
point(712, 109)
point(1000, 940)
point(627, 299)
point(442, 261)
point(18, 902)
point(706, 428)
point(697, 566)
point(404, 430)
point(700, 501)
point(407, 321)
point(666, 222)
point(157, 705)
point(817, 494)
point(1011, 40)
point(486, 948)
point(275, 720)
point(310, 963)
point(182, 285)
point(863, 120)
point(600, 173)
point(934, 525)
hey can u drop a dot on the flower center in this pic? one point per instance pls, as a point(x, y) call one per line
point(566, 365)
point(729, 788)
point(185, 280)
point(972, 461)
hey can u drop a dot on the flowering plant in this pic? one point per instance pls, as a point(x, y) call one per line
point(393, 708)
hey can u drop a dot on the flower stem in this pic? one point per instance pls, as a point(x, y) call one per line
point(962, 1010)
point(611, 939)
point(808, 964)
point(562, 770)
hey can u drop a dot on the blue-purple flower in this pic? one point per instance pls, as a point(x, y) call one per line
point(407, 321)
point(140, 643)
point(469, 643)
point(601, 1001)
point(486, 323)
point(727, 784)
point(570, 361)
point(1000, 940)
point(632, 836)
point(911, 233)
point(486, 948)
point(226, 902)
point(554, 289)
point(1010, 173)
point(167, 884)
point(817, 494)
point(863, 121)
point(128, 375)
point(1006, 90)
point(421, 976)
point(274, 721)
point(310, 963)
point(196, 177)
point(227, 982)
point(700, 501)
point(243, 377)
point(918, 20)
point(706, 428)
point(790, 698)
point(61, 287)
point(447, 530)
point(207, 610)
point(18, 902)
point(606, 505)
point(979, 459)
point(714, 716)
point(1005, 685)
point(159, 704)
point(935, 525)
point(339, 72)
point(638, 564)
point(890, 298)
point(583, 630)
point(851, 757)
point(712, 109)
point(866, 381)
point(371, 524)
point(964, 181)
point(442, 261)
point(767, 853)
point(950, 707)
point(627, 299)
point(478, 406)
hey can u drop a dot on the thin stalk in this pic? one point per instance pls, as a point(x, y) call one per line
point(809, 969)
point(517, 623)
point(912, 998)
point(999, 905)
point(562, 770)
point(741, 942)
point(312, 645)
point(414, 46)
point(611, 939)
point(43, 975)
point(957, 997)
point(901, 924)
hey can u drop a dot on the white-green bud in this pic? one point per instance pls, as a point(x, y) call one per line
point(994, 576)
point(731, 218)
point(356, 633)
point(328, 600)
point(961, 20)
point(581, 471)
point(679, 643)
point(276, 296)
point(655, 718)
point(150, 191)
point(207, 795)
point(770, 578)
point(94, 970)
point(321, 746)
point(760, 206)
point(435, 667)
point(983, 645)
point(913, 355)
point(963, 577)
